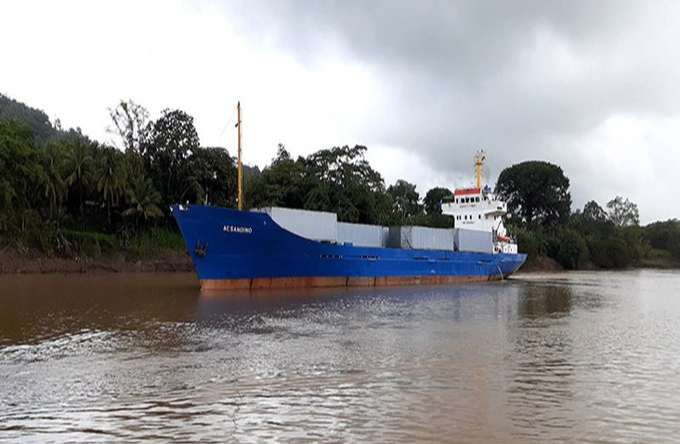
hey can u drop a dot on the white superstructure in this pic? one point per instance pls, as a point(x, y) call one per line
point(479, 209)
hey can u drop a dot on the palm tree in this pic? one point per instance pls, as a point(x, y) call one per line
point(143, 200)
point(78, 169)
point(54, 186)
point(110, 179)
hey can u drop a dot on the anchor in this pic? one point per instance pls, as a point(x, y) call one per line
point(201, 250)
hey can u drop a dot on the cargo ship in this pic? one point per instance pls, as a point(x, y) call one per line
point(282, 247)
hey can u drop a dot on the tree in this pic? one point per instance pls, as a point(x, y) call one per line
point(143, 200)
point(168, 144)
point(20, 171)
point(593, 221)
point(593, 212)
point(537, 193)
point(130, 121)
point(78, 165)
point(342, 181)
point(405, 198)
point(623, 213)
point(35, 121)
point(214, 175)
point(433, 199)
point(54, 186)
point(610, 252)
point(572, 249)
point(664, 236)
point(285, 182)
point(110, 177)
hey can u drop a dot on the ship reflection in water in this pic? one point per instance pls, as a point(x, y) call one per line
point(584, 357)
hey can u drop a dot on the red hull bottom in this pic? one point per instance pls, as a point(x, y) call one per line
point(308, 282)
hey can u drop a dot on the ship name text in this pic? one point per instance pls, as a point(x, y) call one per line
point(239, 230)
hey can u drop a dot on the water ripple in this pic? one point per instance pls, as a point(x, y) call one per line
point(574, 357)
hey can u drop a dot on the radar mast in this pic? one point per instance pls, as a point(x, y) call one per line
point(480, 157)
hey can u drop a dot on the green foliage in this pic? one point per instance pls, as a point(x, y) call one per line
point(130, 122)
point(610, 252)
point(143, 201)
point(537, 194)
point(79, 169)
point(110, 176)
point(156, 240)
point(406, 199)
point(593, 221)
point(593, 212)
point(605, 239)
point(54, 240)
point(52, 183)
point(50, 239)
point(433, 199)
point(343, 182)
point(664, 236)
point(531, 243)
point(34, 120)
point(623, 213)
point(20, 173)
point(572, 250)
point(214, 177)
point(339, 180)
point(285, 183)
point(430, 220)
point(71, 185)
point(167, 147)
point(90, 244)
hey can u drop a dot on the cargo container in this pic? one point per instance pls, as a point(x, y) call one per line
point(473, 241)
point(421, 238)
point(316, 225)
point(360, 235)
point(385, 236)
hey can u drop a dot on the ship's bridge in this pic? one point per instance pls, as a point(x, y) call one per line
point(477, 209)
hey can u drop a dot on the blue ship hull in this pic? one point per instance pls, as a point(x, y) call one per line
point(239, 250)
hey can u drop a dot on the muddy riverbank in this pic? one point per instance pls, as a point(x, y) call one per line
point(12, 262)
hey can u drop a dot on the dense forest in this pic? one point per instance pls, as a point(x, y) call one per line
point(63, 194)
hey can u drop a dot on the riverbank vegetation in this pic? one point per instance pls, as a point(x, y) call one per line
point(65, 195)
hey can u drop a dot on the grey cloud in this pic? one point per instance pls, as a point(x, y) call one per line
point(469, 74)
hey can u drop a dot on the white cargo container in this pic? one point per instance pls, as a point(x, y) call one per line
point(315, 225)
point(421, 238)
point(385, 236)
point(473, 241)
point(360, 235)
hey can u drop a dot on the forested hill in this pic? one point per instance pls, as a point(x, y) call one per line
point(35, 119)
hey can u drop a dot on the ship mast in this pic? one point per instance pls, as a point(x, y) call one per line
point(240, 165)
point(479, 163)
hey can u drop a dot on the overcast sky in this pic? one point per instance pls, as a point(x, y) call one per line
point(592, 86)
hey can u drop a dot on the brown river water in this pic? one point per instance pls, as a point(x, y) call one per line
point(568, 357)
